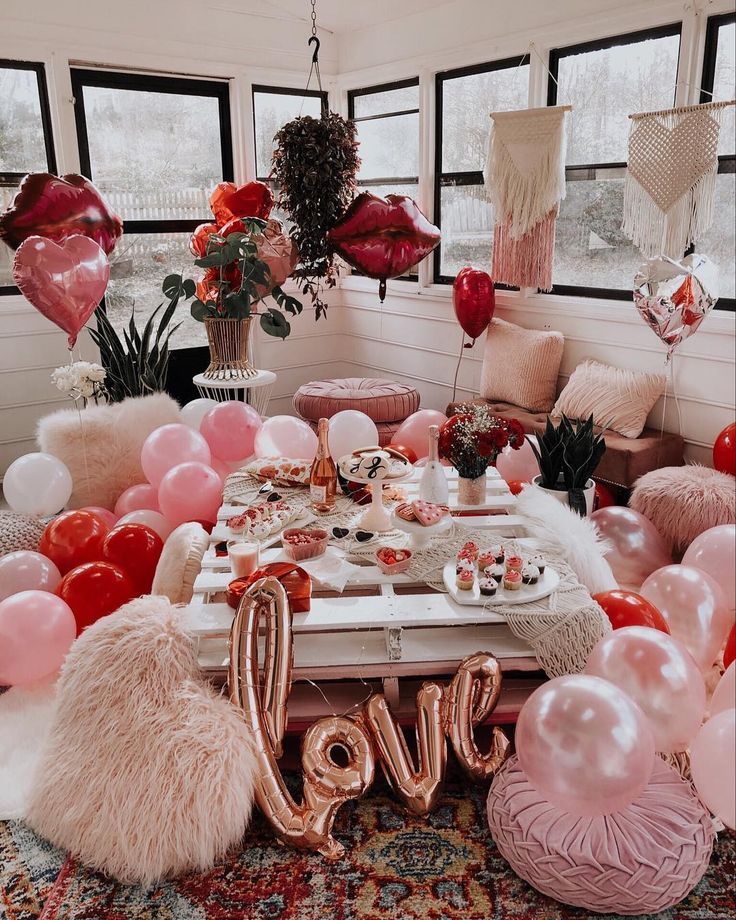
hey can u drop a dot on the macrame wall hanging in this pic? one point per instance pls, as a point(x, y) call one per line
point(525, 178)
point(671, 177)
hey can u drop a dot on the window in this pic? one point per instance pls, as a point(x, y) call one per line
point(273, 107)
point(719, 78)
point(155, 147)
point(26, 143)
point(465, 99)
point(604, 81)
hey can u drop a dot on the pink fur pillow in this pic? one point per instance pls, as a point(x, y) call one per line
point(520, 366)
point(148, 772)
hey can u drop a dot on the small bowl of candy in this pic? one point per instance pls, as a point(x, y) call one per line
point(393, 561)
point(300, 544)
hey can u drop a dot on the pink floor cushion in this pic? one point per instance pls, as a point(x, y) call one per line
point(381, 400)
point(684, 501)
point(638, 861)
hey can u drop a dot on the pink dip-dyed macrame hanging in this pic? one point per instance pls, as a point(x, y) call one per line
point(525, 178)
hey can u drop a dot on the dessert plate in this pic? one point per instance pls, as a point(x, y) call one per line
point(503, 597)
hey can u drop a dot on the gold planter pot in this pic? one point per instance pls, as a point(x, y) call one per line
point(228, 342)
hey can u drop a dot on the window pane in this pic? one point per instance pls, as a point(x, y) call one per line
point(6, 253)
point(590, 249)
point(272, 111)
point(724, 80)
point(467, 229)
point(21, 127)
point(467, 103)
point(389, 147)
point(719, 243)
point(392, 100)
point(154, 156)
point(138, 267)
point(410, 188)
point(606, 86)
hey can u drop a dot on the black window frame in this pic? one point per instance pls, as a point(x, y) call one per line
point(726, 162)
point(465, 177)
point(385, 180)
point(590, 170)
point(12, 179)
point(278, 91)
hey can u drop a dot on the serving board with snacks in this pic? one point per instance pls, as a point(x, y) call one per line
point(501, 596)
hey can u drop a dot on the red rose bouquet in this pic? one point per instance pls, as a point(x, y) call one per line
point(473, 438)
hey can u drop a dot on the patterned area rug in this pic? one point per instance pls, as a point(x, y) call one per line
point(397, 868)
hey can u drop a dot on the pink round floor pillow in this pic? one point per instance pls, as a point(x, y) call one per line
point(638, 861)
point(381, 400)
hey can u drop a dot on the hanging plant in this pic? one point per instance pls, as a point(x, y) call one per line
point(315, 165)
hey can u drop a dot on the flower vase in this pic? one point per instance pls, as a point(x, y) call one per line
point(228, 342)
point(471, 491)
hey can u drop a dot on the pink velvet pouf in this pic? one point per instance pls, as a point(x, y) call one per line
point(638, 861)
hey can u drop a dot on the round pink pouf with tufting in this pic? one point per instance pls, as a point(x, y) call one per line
point(640, 860)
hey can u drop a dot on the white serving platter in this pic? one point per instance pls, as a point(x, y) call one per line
point(525, 595)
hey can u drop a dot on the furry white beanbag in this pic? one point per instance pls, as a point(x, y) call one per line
point(573, 537)
point(148, 772)
point(180, 562)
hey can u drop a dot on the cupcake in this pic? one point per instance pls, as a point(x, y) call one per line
point(495, 571)
point(530, 574)
point(465, 580)
point(514, 563)
point(488, 586)
point(540, 562)
point(464, 566)
point(469, 551)
point(512, 581)
point(485, 559)
point(498, 552)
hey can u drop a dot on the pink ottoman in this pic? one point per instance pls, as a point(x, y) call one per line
point(386, 402)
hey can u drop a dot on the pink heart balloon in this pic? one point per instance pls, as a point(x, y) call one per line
point(64, 281)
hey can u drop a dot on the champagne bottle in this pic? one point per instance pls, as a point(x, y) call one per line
point(433, 484)
point(323, 476)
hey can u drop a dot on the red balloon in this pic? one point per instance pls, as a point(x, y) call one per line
point(64, 281)
point(199, 239)
point(254, 199)
point(604, 497)
point(383, 237)
point(404, 451)
point(95, 589)
point(474, 300)
point(729, 652)
point(515, 486)
point(136, 549)
point(625, 608)
point(73, 538)
point(57, 207)
point(724, 450)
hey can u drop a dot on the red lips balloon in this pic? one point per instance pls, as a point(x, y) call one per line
point(58, 207)
point(254, 199)
point(64, 281)
point(474, 301)
point(383, 237)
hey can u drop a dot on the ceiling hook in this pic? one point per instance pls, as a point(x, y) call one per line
point(316, 41)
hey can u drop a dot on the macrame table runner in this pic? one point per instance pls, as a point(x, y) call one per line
point(525, 178)
point(561, 629)
point(670, 186)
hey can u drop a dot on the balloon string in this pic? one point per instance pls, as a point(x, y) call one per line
point(457, 368)
point(674, 395)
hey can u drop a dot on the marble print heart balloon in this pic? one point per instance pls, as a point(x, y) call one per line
point(674, 298)
point(58, 207)
point(64, 281)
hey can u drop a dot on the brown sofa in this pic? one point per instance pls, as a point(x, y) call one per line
point(625, 459)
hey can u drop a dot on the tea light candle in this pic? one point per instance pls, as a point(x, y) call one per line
point(243, 558)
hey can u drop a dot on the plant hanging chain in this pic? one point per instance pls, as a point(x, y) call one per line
point(314, 38)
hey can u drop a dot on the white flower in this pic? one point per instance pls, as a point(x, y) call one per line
point(86, 388)
point(63, 378)
point(97, 373)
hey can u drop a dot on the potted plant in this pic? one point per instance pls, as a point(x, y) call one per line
point(471, 440)
point(568, 454)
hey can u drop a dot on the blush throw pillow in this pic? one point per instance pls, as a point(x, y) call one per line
point(520, 366)
point(617, 398)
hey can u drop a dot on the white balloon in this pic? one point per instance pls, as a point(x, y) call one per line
point(37, 484)
point(194, 411)
point(285, 436)
point(153, 519)
point(350, 430)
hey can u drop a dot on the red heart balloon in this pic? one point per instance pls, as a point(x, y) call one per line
point(199, 239)
point(58, 207)
point(64, 281)
point(474, 300)
point(254, 199)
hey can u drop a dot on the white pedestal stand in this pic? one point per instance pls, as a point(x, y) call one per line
point(418, 533)
point(256, 391)
point(376, 518)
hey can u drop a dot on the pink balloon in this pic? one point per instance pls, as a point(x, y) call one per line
point(349, 430)
point(713, 765)
point(724, 696)
point(285, 436)
point(230, 429)
point(190, 492)
point(37, 629)
point(638, 549)
point(414, 431)
point(693, 606)
point(170, 445)
point(64, 281)
point(660, 675)
point(104, 514)
point(519, 464)
point(25, 570)
point(143, 497)
point(584, 745)
point(714, 551)
point(153, 519)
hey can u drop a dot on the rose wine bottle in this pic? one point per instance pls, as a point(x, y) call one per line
point(323, 477)
point(433, 484)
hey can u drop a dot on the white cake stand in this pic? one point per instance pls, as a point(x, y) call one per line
point(376, 518)
point(419, 534)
